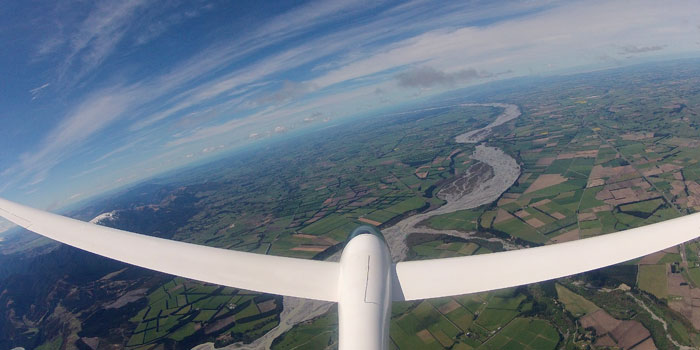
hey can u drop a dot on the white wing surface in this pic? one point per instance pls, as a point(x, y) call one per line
point(263, 273)
point(478, 273)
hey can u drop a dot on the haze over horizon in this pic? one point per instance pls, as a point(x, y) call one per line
point(98, 95)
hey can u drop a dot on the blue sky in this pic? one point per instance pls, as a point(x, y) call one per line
point(96, 95)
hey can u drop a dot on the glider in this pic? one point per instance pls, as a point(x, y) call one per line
point(365, 281)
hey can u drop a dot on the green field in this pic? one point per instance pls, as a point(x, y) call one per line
point(179, 308)
point(526, 334)
point(576, 304)
point(652, 279)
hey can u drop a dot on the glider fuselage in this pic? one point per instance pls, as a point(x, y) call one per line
point(364, 292)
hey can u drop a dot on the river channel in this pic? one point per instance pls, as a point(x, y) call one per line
point(487, 186)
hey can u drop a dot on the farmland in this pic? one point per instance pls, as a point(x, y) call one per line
point(596, 163)
point(180, 309)
point(595, 157)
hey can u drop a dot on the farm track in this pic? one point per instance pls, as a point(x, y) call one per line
point(487, 186)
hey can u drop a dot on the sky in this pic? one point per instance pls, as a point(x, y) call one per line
point(99, 94)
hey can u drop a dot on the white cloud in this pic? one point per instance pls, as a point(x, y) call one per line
point(313, 117)
point(212, 149)
point(209, 132)
point(307, 16)
point(271, 115)
point(340, 72)
point(156, 27)
point(4, 226)
point(99, 34)
point(426, 76)
point(88, 171)
point(569, 34)
point(50, 44)
point(37, 90)
point(90, 117)
point(288, 91)
point(633, 49)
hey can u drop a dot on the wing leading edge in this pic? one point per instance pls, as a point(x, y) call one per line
point(319, 279)
point(257, 272)
point(479, 273)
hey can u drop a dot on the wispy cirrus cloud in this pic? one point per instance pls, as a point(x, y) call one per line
point(156, 27)
point(88, 118)
point(297, 22)
point(37, 90)
point(84, 40)
point(98, 35)
point(101, 109)
point(288, 91)
point(319, 58)
point(439, 55)
point(120, 149)
point(524, 42)
point(88, 171)
point(242, 80)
